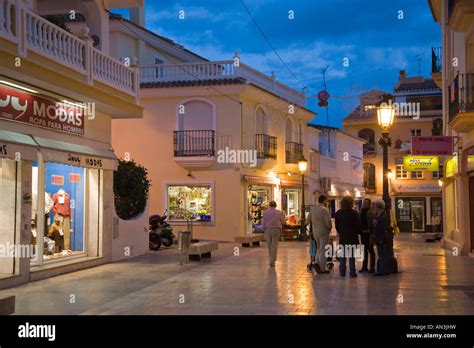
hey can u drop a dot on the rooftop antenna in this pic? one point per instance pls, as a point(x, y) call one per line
point(419, 60)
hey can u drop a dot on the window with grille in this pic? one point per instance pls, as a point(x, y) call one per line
point(439, 173)
point(401, 173)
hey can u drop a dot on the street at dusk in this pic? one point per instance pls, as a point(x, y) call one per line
point(218, 161)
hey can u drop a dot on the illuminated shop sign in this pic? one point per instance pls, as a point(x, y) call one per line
point(421, 163)
point(451, 167)
point(21, 106)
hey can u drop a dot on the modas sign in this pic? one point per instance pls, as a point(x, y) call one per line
point(421, 163)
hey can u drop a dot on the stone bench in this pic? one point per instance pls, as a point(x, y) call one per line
point(202, 249)
point(250, 239)
point(7, 305)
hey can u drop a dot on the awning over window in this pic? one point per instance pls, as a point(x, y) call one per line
point(76, 155)
point(17, 146)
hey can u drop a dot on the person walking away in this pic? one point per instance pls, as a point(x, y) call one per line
point(365, 238)
point(321, 223)
point(273, 220)
point(348, 226)
point(381, 238)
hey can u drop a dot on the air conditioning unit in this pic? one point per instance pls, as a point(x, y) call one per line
point(325, 183)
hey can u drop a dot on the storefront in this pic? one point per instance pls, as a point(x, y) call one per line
point(418, 207)
point(259, 191)
point(53, 193)
point(468, 168)
point(186, 202)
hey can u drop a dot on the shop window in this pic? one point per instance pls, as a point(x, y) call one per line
point(439, 174)
point(401, 173)
point(403, 210)
point(190, 202)
point(416, 175)
point(64, 213)
point(9, 207)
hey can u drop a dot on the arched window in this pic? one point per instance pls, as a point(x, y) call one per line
point(369, 135)
point(261, 122)
point(196, 128)
point(369, 176)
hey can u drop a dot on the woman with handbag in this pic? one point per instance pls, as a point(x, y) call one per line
point(381, 238)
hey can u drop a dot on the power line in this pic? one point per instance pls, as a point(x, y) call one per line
point(270, 44)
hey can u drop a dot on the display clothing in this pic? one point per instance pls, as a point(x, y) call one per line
point(62, 209)
point(56, 233)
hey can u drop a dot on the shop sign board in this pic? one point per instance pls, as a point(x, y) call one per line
point(421, 163)
point(20, 106)
point(414, 188)
point(451, 167)
point(432, 145)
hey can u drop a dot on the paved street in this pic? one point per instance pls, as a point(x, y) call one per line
point(431, 282)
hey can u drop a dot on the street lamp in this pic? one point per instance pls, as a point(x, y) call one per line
point(302, 166)
point(385, 116)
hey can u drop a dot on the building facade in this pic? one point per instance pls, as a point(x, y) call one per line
point(416, 196)
point(340, 166)
point(453, 69)
point(59, 91)
point(219, 139)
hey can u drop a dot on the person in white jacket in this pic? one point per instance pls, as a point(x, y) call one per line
point(321, 222)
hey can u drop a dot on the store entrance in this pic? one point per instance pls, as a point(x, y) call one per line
point(290, 203)
point(471, 209)
point(259, 197)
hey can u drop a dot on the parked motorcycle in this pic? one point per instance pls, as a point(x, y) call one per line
point(160, 232)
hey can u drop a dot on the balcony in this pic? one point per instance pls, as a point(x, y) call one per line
point(194, 148)
point(460, 14)
point(161, 74)
point(293, 152)
point(266, 146)
point(461, 103)
point(32, 34)
point(436, 66)
point(368, 149)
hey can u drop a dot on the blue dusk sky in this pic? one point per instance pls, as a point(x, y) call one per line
point(323, 33)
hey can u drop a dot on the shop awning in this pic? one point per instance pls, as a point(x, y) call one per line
point(17, 146)
point(76, 155)
point(292, 183)
point(259, 180)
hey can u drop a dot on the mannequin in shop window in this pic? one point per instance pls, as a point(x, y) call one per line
point(62, 210)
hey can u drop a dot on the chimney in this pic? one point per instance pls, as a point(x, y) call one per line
point(402, 76)
point(137, 15)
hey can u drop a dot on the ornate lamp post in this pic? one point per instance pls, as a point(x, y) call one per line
point(385, 116)
point(302, 166)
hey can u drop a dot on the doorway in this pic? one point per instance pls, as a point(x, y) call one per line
point(418, 216)
point(471, 209)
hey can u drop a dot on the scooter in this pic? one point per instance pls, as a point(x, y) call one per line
point(160, 232)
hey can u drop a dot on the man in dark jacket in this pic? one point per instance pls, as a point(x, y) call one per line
point(382, 236)
point(348, 226)
point(365, 239)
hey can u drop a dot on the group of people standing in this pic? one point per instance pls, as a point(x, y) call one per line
point(372, 224)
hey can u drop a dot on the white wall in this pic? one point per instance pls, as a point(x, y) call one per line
point(132, 238)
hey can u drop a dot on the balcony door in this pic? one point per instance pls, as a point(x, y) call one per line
point(196, 126)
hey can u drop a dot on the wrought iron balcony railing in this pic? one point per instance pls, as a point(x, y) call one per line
point(461, 95)
point(293, 152)
point(266, 146)
point(194, 143)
